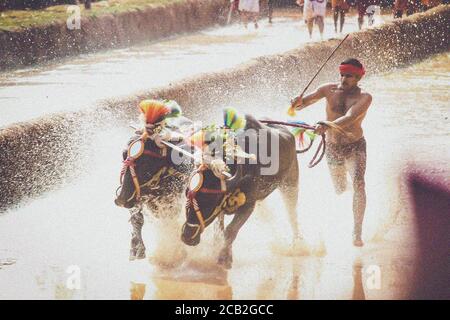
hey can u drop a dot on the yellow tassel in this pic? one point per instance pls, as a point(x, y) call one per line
point(241, 199)
point(291, 112)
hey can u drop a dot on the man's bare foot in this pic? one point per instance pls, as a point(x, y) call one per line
point(357, 242)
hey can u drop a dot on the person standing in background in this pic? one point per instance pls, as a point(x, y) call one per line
point(270, 4)
point(339, 7)
point(399, 7)
point(362, 6)
point(314, 11)
point(249, 10)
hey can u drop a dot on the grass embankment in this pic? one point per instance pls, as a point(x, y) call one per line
point(16, 20)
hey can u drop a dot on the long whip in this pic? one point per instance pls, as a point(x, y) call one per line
point(291, 110)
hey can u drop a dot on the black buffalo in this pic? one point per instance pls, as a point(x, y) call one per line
point(159, 182)
point(207, 199)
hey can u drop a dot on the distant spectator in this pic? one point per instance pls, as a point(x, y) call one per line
point(362, 6)
point(340, 8)
point(428, 4)
point(249, 10)
point(371, 11)
point(87, 3)
point(399, 7)
point(314, 11)
point(270, 4)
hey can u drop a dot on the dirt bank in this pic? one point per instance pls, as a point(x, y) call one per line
point(48, 143)
point(38, 44)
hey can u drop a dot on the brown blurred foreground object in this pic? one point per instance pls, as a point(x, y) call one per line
point(430, 197)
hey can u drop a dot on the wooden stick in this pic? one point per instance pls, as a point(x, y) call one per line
point(323, 65)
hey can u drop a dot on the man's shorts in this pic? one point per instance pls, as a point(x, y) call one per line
point(337, 153)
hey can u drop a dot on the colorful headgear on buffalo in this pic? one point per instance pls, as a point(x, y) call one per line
point(155, 111)
point(300, 133)
point(233, 120)
point(352, 66)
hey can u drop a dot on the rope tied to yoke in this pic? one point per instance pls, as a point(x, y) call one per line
point(322, 146)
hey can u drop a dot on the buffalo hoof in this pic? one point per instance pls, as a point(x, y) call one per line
point(137, 252)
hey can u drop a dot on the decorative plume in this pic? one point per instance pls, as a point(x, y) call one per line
point(233, 120)
point(299, 133)
point(155, 111)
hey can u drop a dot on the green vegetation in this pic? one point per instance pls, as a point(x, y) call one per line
point(15, 20)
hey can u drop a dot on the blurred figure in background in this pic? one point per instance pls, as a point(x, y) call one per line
point(362, 6)
point(234, 10)
point(87, 3)
point(270, 4)
point(371, 11)
point(428, 4)
point(314, 11)
point(399, 7)
point(249, 10)
point(340, 8)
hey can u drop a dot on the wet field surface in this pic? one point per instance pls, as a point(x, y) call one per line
point(78, 231)
point(81, 82)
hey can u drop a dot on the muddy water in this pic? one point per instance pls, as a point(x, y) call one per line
point(73, 243)
point(81, 82)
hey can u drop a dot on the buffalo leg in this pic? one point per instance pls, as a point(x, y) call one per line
point(289, 192)
point(231, 231)
point(137, 250)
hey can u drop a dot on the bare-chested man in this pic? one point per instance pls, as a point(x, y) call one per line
point(347, 106)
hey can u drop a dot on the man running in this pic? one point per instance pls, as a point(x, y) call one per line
point(347, 106)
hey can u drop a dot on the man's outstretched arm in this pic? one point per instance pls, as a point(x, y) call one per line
point(301, 102)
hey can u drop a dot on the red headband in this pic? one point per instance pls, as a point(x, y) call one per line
point(349, 68)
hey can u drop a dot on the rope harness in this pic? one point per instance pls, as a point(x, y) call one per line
point(314, 161)
point(191, 195)
point(151, 132)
